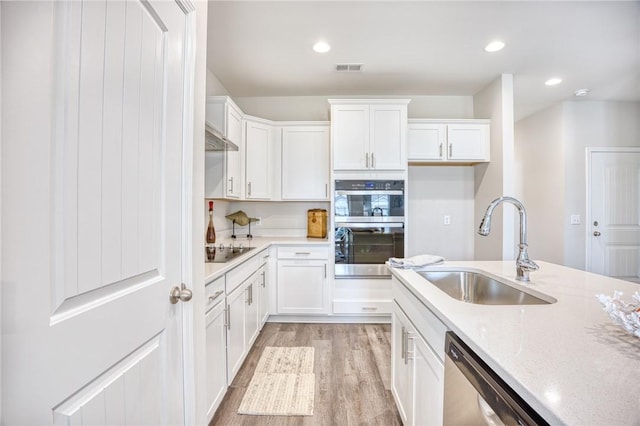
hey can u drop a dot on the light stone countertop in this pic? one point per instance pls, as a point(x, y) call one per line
point(568, 360)
point(215, 270)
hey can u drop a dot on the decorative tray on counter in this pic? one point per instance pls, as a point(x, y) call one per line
point(625, 314)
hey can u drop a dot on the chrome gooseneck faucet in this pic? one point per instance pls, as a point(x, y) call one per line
point(523, 264)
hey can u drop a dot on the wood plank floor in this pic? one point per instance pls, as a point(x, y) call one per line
point(352, 368)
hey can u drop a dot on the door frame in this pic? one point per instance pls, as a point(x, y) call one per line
point(589, 151)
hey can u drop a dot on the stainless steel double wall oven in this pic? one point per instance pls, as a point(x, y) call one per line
point(369, 226)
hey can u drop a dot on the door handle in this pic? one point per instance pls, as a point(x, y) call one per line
point(181, 293)
point(596, 233)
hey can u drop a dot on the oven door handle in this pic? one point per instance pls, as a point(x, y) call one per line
point(370, 192)
point(362, 225)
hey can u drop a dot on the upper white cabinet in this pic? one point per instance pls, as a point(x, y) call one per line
point(223, 172)
point(259, 161)
point(305, 162)
point(369, 134)
point(462, 141)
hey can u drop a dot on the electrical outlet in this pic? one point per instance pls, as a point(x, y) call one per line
point(258, 221)
point(447, 219)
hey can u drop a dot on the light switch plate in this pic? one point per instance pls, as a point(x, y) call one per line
point(575, 219)
point(447, 219)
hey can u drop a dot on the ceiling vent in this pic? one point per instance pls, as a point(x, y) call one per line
point(349, 67)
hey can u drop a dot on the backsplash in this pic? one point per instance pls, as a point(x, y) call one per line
point(284, 219)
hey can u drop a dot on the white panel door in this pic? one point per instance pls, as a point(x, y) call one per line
point(216, 357)
point(350, 137)
point(426, 141)
point(305, 163)
point(301, 286)
point(428, 383)
point(91, 199)
point(614, 214)
point(467, 141)
point(259, 169)
point(388, 129)
point(234, 158)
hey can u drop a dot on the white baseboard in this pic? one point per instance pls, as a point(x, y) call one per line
point(332, 319)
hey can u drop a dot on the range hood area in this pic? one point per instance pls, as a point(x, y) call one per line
point(215, 140)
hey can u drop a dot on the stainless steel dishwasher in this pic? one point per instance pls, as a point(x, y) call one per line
point(475, 395)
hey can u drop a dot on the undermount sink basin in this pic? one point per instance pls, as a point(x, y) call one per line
point(480, 289)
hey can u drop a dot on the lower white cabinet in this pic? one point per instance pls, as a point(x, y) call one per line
point(417, 371)
point(263, 292)
point(216, 345)
point(302, 280)
point(216, 356)
point(236, 347)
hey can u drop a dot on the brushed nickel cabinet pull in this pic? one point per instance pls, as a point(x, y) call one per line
point(366, 160)
point(373, 161)
point(440, 151)
point(450, 150)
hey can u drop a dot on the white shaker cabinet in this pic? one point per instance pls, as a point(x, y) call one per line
point(223, 173)
point(460, 141)
point(305, 162)
point(216, 345)
point(302, 280)
point(236, 347)
point(417, 365)
point(263, 288)
point(258, 159)
point(369, 134)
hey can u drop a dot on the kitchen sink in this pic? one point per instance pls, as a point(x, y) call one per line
point(480, 289)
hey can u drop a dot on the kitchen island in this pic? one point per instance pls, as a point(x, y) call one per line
point(567, 359)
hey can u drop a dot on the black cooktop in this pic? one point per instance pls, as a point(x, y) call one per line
point(222, 254)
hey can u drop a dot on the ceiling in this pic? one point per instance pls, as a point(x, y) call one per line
point(264, 48)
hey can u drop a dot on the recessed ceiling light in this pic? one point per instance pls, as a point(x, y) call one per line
point(581, 92)
point(494, 46)
point(321, 47)
point(553, 81)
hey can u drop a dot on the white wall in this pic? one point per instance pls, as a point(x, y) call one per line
point(551, 150)
point(539, 154)
point(496, 178)
point(590, 124)
point(282, 218)
point(214, 86)
point(433, 192)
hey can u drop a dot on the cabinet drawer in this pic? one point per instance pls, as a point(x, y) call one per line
point(214, 292)
point(364, 307)
point(425, 321)
point(236, 276)
point(303, 252)
point(263, 257)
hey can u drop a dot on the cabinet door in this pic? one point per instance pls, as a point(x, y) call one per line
point(387, 143)
point(263, 295)
point(302, 286)
point(236, 347)
point(234, 158)
point(400, 371)
point(468, 142)
point(350, 137)
point(216, 356)
point(251, 320)
point(426, 141)
point(305, 163)
point(258, 166)
point(428, 383)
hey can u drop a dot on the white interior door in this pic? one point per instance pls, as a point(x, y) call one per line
point(91, 199)
point(613, 246)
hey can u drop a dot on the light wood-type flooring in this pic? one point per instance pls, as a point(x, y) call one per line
point(352, 368)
